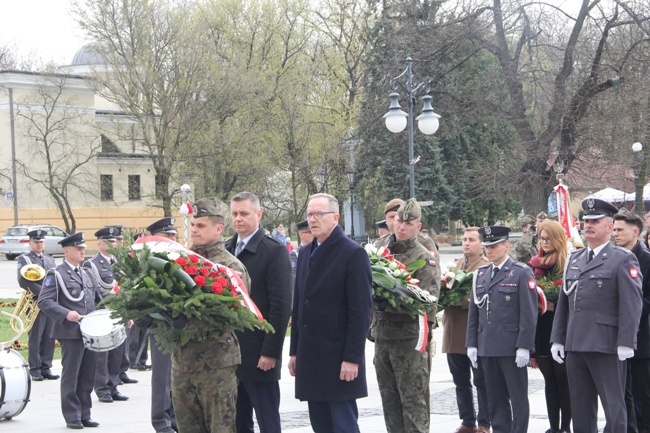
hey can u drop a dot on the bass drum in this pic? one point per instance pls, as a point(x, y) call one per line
point(15, 383)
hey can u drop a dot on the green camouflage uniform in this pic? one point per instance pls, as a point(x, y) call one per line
point(526, 248)
point(204, 384)
point(402, 372)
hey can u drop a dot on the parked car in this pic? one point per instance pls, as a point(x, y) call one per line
point(16, 242)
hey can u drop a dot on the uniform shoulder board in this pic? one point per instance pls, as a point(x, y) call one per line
point(520, 264)
point(616, 247)
point(485, 266)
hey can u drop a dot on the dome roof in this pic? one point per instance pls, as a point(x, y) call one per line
point(88, 55)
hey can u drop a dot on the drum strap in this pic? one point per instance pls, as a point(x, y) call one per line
point(64, 289)
point(95, 273)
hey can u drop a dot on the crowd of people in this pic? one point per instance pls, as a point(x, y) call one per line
point(592, 341)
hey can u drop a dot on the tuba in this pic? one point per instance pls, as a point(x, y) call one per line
point(26, 308)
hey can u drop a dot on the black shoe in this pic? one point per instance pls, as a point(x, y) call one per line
point(37, 377)
point(119, 397)
point(75, 425)
point(89, 423)
point(50, 376)
point(126, 379)
point(106, 399)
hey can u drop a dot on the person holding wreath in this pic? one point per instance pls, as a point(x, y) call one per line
point(548, 267)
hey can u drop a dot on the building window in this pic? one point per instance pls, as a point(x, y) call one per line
point(134, 187)
point(106, 186)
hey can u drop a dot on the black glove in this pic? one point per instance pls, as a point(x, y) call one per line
point(175, 322)
point(144, 322)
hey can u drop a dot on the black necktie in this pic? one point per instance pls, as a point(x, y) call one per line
point(591, 256)
point(495, 270)
point(76, 271)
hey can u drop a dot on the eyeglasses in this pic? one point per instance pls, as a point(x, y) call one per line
point(544, 240)
point(318, 215)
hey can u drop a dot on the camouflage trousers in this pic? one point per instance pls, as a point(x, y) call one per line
point(403, 378)
point(205, 401)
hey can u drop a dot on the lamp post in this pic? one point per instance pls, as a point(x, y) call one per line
point(185, 193)
point(351, 184)
point(397, 120)
point(639, 179)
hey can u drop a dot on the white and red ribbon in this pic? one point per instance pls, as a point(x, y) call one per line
point(423, 333)
point(160, 244)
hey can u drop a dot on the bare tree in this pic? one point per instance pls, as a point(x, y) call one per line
point(61, 144)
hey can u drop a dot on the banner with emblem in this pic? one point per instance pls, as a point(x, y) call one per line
point(564, 215)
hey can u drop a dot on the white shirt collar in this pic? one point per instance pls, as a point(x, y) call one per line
point(248, 238)
point(598, 249)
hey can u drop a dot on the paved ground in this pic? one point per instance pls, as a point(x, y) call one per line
point(43, 413)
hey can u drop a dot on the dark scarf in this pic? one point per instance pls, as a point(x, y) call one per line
point(540, 269)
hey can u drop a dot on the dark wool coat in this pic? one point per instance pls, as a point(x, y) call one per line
point(331, 316)
point(269, 267)
point(643, 337)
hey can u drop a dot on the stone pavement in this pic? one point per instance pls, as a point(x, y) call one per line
point(43, 413)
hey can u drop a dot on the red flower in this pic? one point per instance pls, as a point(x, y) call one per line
point(222, 281)
point(193, 259)
point(217, 289)
point(191, 270)
point(387, 254)
point(557, 282)
point(205, 271)
point(181, 261)
point(199, 280)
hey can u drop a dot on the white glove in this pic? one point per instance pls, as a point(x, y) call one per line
point(522, 357)
point(557, 351)
point(472, 354)
point(624, 352)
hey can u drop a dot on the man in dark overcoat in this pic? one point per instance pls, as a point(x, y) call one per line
point(330, 321)
point(596, 322)
point(626, 232)
point(267, 262)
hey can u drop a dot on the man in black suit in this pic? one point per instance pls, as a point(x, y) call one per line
point(267, 262)
point(70, 292)
point(41, 344)
point(626, 232)
point(596, 322)
point(331, 314)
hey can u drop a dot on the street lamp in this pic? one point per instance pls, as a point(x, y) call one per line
point(397, 120)
point(639, 179)
point(351, 184)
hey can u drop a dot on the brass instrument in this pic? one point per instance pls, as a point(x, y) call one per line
point(26, 308)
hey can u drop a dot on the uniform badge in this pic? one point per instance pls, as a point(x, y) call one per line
point(488, 230)
point(573, 261)
point(634, 273)
point(74, 292)
point(599, 283)
point(532, 285)
point(480, 273)
point(507, 298)
point(432, 263)
point(47, 281)
point(590, 203)
point(511, 274)
point(20, 265)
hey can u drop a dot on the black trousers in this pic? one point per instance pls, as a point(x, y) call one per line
point(334, 416)
point(637, 394)
point(507, 389)
point(593, 375)
point(461, 371)
point(40, 345)
point(162, 409)
point(264, 398)
point(556, 391)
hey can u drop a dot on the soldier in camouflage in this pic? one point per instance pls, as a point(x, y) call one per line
point(403, 372)
point(527, 246)
point(204, 385)
point(390, 212)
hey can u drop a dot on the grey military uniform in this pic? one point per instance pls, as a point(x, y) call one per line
point(63, 290)
point(109, 364)
point(600, 312)
point(502, 318)
point(40, 343)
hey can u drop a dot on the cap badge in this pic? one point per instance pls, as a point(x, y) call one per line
point(172, 221)
point(590, 203)
point(488, 230)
